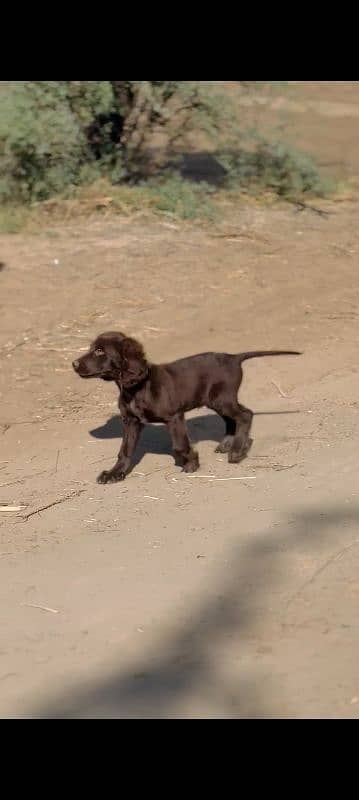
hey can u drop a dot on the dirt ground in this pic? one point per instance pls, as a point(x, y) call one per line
point(229, 594)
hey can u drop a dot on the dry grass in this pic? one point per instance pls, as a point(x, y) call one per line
point(174, 198)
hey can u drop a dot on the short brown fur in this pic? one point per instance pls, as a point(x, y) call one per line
point(165, 392)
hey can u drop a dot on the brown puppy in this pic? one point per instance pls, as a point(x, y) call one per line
point(164, 392)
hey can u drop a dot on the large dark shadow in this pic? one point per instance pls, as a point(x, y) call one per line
point(155, 438)
point(208, 167)
point(202, 167)
point(183, 663)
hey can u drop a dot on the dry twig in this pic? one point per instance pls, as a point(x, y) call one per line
point(54, 503)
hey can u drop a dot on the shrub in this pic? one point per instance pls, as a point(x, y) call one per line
point(276, 167)
point(57, 134)
point(181, 198)
point(43, 146)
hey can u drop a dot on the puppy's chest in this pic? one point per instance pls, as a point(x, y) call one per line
point(138, 409)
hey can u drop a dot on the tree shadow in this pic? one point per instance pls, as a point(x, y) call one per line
point(202, 168)
point(183, 663)
point(217, 169)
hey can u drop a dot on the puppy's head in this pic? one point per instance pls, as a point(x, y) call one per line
point(113, 357)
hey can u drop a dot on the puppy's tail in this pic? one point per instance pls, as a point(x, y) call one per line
point(261, 353)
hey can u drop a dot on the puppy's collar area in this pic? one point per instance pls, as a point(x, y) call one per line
point(132, 386)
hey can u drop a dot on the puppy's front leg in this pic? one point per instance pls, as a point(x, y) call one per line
point(181, 443)
point(131, 434)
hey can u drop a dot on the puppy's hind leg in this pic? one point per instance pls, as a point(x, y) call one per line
point(227, 441)
point(237, 442)
point(242, 442)
point(183, 450)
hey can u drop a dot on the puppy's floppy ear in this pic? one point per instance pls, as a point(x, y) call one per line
point(111, 343)
point(134, 364)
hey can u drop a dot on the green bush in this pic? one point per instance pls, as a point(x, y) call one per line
point(44, 148)
point(273, 166)
point(180, 198)
point(59, 135)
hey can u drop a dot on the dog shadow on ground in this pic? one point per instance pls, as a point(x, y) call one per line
point(156, 439)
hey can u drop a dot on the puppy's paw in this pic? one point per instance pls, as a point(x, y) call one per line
point(191, 466)
point(109, 476)
point(225, 445)
point(236, 456)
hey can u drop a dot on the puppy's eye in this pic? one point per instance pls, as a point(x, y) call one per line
point(99, 352)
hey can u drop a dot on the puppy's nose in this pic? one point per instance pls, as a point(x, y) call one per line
point(76, 365)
